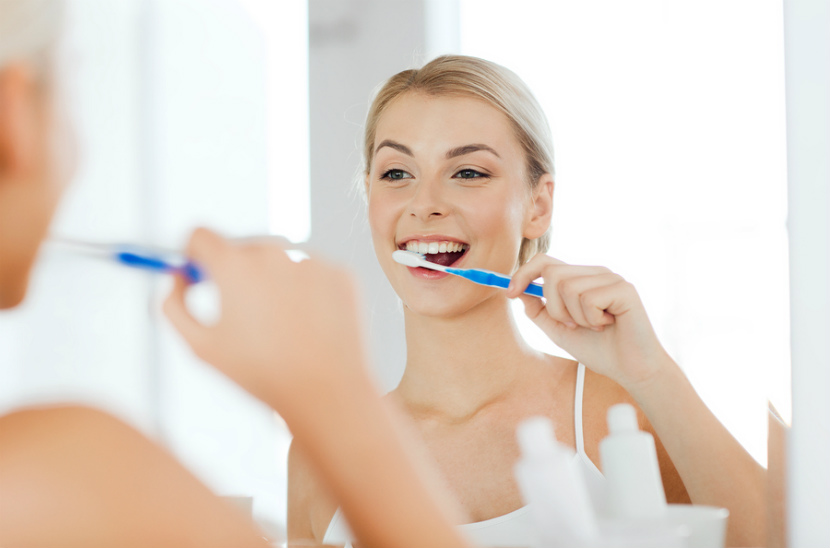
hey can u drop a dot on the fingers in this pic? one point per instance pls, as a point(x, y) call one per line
point(227, 259)
point(528, 272)
point(208, 249)
point(585, 296)
point(175, 308)
point(536, 311)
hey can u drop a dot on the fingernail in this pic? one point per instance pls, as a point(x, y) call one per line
point(571, 325)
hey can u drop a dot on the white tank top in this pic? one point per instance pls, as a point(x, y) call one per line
point(515, 528)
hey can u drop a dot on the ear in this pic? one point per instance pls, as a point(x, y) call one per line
point(18, 121)
point(541, 210)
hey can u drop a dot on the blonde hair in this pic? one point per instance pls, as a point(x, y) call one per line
point(464, 76)
point(29, 32)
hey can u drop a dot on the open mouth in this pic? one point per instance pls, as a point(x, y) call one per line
point(444, 253)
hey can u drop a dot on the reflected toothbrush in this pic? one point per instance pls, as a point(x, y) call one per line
point(149, 258)
point(477, 275)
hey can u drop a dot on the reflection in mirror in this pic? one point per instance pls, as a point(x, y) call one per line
point(669, 170)
point(669, 156)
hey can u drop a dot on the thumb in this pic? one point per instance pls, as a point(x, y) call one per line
point(208, 249)
point(534, 306)
point(175, 308)
point(536, 311)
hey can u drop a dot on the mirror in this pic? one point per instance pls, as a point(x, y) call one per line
point(670, 169)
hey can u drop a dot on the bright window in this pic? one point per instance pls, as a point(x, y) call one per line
point(668, 125)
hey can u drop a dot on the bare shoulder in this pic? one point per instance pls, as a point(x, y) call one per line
point(600, 394)
point(310, 505)
point(96, 481)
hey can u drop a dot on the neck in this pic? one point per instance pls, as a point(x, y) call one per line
point(457, 366)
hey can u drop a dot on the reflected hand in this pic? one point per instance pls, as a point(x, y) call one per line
point(594, 315)
point(284, 326)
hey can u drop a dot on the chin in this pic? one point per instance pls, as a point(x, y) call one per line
point(441, 307)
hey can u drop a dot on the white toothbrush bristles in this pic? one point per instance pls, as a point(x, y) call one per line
point(410, 258)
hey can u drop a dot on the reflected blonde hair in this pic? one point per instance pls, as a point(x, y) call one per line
point(499, 87)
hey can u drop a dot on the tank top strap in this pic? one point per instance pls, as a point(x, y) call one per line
point(580, 388)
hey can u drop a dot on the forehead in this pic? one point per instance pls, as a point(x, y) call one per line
point(424, 122)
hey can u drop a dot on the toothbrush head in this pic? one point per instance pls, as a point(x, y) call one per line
point(410, 258)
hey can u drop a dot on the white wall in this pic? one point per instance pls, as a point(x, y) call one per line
point(807, 39)
point(354, 46)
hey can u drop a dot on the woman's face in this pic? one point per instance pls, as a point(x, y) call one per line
point(448, 179)
point(34, 167)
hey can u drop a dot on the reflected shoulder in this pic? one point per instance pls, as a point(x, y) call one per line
point(310, 504)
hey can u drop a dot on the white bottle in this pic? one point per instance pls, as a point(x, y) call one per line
point(553, 488)
point(629, 464)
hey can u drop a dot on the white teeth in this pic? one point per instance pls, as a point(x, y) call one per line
point(431, 248)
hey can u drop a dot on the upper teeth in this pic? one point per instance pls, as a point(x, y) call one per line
point(432, 248)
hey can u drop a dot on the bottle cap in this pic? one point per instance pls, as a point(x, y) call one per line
point(622, 418)
point(536, 436)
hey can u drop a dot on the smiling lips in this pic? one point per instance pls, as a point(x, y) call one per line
point(444, 253)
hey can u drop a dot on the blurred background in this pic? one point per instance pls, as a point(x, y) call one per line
point(246, 116)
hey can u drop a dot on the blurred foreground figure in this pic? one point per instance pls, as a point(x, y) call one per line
point(73, 476)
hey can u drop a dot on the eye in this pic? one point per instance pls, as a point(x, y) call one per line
point(396, 175)
point(469, 174)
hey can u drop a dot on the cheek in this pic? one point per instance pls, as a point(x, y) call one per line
point(382, 214)
point(499, 218)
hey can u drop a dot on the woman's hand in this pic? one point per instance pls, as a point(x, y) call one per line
point(289, 334)
point(284, 328)
point(594, 315)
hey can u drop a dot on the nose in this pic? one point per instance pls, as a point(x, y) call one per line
point(429, 200)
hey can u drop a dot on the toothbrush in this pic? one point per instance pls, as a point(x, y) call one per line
point(149, 258)
point(477, 275)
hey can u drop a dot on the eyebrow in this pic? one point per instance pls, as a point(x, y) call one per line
point(397, 146)
point(469, 149)
point(452, 153)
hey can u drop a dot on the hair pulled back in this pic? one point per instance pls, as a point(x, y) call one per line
point(465, 76)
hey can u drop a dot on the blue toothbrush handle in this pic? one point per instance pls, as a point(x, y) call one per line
point(494, 279)
point(537, 290)
point(191, 271)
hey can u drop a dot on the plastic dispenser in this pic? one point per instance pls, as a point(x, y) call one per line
point(553, 488)
point(629, 463)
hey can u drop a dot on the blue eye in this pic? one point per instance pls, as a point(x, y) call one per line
point(469, 174)
point(396, 175)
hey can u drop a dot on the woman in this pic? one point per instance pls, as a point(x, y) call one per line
point(459, 165)
point(72, 476)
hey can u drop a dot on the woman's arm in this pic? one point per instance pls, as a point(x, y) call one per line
point(601, 393)
point(597, 317)
point(715, 468)
point(289, 334)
